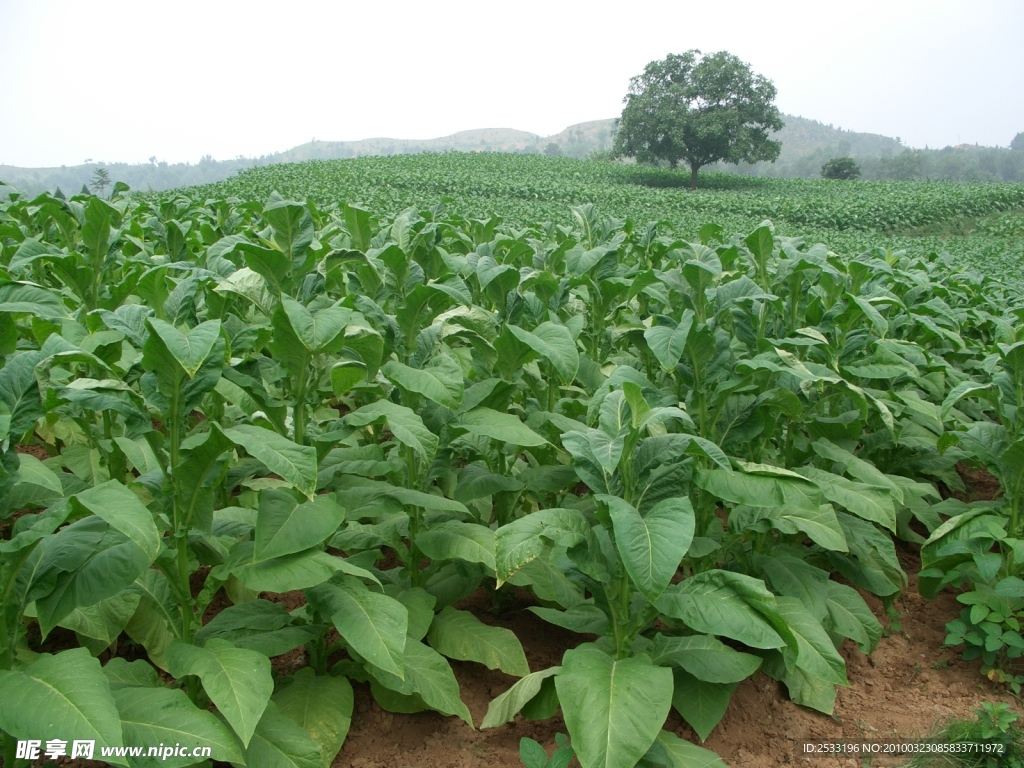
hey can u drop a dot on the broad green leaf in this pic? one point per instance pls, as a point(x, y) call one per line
point(345, 375)
point(316, 330)
point(65, 695)
point(105, 620)
point(190, 349)
point(653, 545)
point(870, 502)
point(374, 625)
point(555, 343)
point(668, 344)
point(295, 463)
point(130, 674)
point(701, 703)
point(280, 742)
point(428, 675)
point(857, 467)
point(404, 423)
point(816, 654)
point(705, 657)
point(296, 571)
point(821, 525)
point(122, 510)
point(729, 604)
point(522, 541)
point(32, 470)
point(670, 751)
point(791, 576)
point(488, 423)
point(238, 681)
point(31, 299)
point(284, 526)
point(613, 709)
point(454, 540)
point(82, 564)
point(460, 635)
point(441, 381)
point(322, 705)
point(258, 625)
point(759, 490)
point(851, 617)
point(504, 707)
point(152, 716)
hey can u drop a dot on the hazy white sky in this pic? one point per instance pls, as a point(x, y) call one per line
point(126, 80)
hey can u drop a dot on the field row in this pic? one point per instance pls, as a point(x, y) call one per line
point(689, 448)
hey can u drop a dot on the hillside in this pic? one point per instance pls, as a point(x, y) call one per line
point(806, 144)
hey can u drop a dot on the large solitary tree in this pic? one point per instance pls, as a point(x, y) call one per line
point(699, 109)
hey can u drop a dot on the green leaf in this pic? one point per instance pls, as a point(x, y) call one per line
point(555, 343)
point(31, 299)
point(441, 381)
point(152, 716)
point(821, 525)
point(374, 625)
point(284, 526)
point(31, 470)
point(65, 695)
point(104, 620)
point(729, 604)
point(238, 681)
point(258, 625)
point(429, 675)
point(122, 510)
point(290, 572)
point(669, 751)
point(522, 541)
point(869, 502)
point(816, 654)
point(653, 545)
point(295, 463)
point(322, 706)
point(668, 344)
point(316, 330)
point(279, 742)
point(454, 540)
point(404, 423)
point(701, 703)
point(461, 635)
point(504, 707)
point(851, 617)
point(488, 423)
point(759, 490)
point(345, 375)
point(191, 349)
point(613, 709)
point(856, 467)
point(705, 657)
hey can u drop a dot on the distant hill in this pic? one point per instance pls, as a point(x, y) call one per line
point(806, 145)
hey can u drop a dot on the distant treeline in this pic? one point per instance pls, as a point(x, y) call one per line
point(962, 163)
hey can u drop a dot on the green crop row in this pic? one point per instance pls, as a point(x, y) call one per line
point(674, 443)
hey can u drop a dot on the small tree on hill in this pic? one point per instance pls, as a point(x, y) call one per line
point(699, 109)
point(840, 168)
point(1018, 141)
point(100, 180)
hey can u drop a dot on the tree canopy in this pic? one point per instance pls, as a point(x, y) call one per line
point(1018, 141)
point(699, 109)
point(840, 168)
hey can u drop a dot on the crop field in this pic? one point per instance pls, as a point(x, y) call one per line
point(311, 411)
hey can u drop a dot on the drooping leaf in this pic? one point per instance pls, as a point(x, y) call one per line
point(238, 681)
point(460, 635)
point(613, 709)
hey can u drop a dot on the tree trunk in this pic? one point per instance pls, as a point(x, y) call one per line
point(693, 176)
